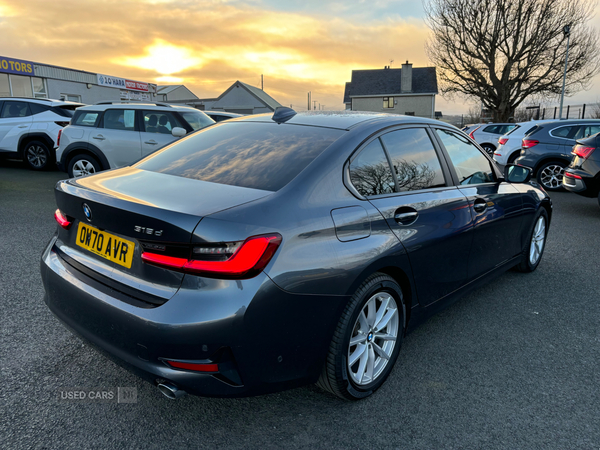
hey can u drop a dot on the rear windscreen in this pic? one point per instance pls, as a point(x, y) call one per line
point(256, 155)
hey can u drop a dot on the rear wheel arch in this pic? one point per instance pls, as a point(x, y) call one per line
point(550, 159)
point(76, 150)
point(29, 137)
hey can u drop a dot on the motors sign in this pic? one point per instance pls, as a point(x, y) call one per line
point(122, 83)
point(16, 66)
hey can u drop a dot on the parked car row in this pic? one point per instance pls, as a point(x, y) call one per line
point(43, 132)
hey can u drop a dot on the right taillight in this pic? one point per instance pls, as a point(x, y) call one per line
point(528, 143)
point(583, 151)
point(502, 141)
point(58, 138)
point(234, 260)
point(474, 130)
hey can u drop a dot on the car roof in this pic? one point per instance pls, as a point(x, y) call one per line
point(343, 120)
point(570, 122)
point(224, 113)
point(42, 101)
point(147, 106)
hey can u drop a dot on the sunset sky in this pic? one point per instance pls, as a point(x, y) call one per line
point(299, 46)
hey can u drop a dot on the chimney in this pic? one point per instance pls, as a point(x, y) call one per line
point(406, 80)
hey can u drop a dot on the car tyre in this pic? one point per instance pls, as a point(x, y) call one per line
point(534, 250)
point(550, 175)
point(82, 165)
point(370, 332)
point(37, 155)
point(489, 149)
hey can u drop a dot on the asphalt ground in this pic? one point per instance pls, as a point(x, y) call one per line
point(513, 365)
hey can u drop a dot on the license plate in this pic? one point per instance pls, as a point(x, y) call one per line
point(105, 244)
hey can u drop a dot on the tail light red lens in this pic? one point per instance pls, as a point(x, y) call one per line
point(471, 133)
point(62, 219)
point(572, 175)
point(58, 138)
point(582, 151)
point(502, 141)
point(238, 260)
point(193, 366)
point(528, 143)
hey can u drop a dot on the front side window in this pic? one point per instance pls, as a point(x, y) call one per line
point(414, 159)
point(120, 119)
point(370, 171)
point(470, 164)
point(15, 109)
point(264, 156)
point(159, 122)
point(197, 120)
point(388, 102)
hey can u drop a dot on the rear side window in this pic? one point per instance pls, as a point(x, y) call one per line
point(491, 129)
point(414, 159)
point(120, 119)
point(36, 108)
point(515, 128)
point(370, 171)
point(532, 130)
point(85, 118)
point(255, 155)
point(15, 109)
point(587, 131)
point(562, 132)
point(470, 164)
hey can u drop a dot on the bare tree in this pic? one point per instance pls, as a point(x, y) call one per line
point(374, 179)
point(474, 115)
point(504, 51)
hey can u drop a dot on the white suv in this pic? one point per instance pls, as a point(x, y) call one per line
point(110, 135)
point(29, 128)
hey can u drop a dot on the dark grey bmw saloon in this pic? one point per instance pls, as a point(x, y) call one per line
point(268, 252)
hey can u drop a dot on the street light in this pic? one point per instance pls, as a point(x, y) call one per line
point(567, 32)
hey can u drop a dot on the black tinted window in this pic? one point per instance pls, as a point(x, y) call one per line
point(36, 108)
point(255, 155)
point(120, 119)
point(414, 159)
point(562, 132)
point(370, 172)
point(470, 164)
point(15, 109)
point(491, 129)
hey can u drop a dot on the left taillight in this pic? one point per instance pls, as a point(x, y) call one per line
point(528, 143)
point(62, 219)
point(474, 130)
point(58, 138)
point(231, 260)
point(582, 151)
point(502, 141)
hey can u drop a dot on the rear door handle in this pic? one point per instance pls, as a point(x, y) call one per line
point(480, 205)
point(406, 218)
point(99, 137)
point(152, 142)
point(22, 126)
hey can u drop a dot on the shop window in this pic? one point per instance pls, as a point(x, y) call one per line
point(388, 102)
point(39, 87)
point(21, 86)
point(71, 98)
point(4, 85)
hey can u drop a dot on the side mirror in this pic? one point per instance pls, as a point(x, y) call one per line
point(178, 132)
point(514, 173)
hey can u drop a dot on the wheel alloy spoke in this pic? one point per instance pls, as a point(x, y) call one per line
point(384, 336)
point(370, 363)
point(358, 339)
point(385, 320)
point(362, 365)
point(362, 320)
point(360, 350)
point(380, 351)
point(371, 311)
point(382, 309)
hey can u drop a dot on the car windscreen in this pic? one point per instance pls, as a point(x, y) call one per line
point(256, 155)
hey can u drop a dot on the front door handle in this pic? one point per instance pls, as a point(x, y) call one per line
point(406, 217)
point(22, 126)
point(99, 137)
point(480, 205)
point(152, 142)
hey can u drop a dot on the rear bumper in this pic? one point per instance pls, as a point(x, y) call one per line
point(264, 339)
point(586, 186)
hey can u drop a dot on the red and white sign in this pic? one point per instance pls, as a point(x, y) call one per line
point(136, 85)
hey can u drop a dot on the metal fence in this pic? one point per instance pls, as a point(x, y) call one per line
point(583, 111)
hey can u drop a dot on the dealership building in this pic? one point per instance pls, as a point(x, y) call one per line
point(19, 78)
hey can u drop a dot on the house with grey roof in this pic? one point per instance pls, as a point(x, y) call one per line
point(174, 93)
point(408, 90)
point(242, 98)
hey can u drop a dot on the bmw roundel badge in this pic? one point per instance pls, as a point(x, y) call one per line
point(87, 211)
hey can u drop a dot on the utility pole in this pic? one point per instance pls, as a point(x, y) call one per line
point(308, 100)
point(567, 32)
point(262, 83)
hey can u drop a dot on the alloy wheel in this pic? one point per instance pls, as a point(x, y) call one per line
point(373, 338)
point(537, 241)
point(551, 176)
point(82, 168)
point(36, 156)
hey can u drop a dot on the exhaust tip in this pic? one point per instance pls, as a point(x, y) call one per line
point(171, 391)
